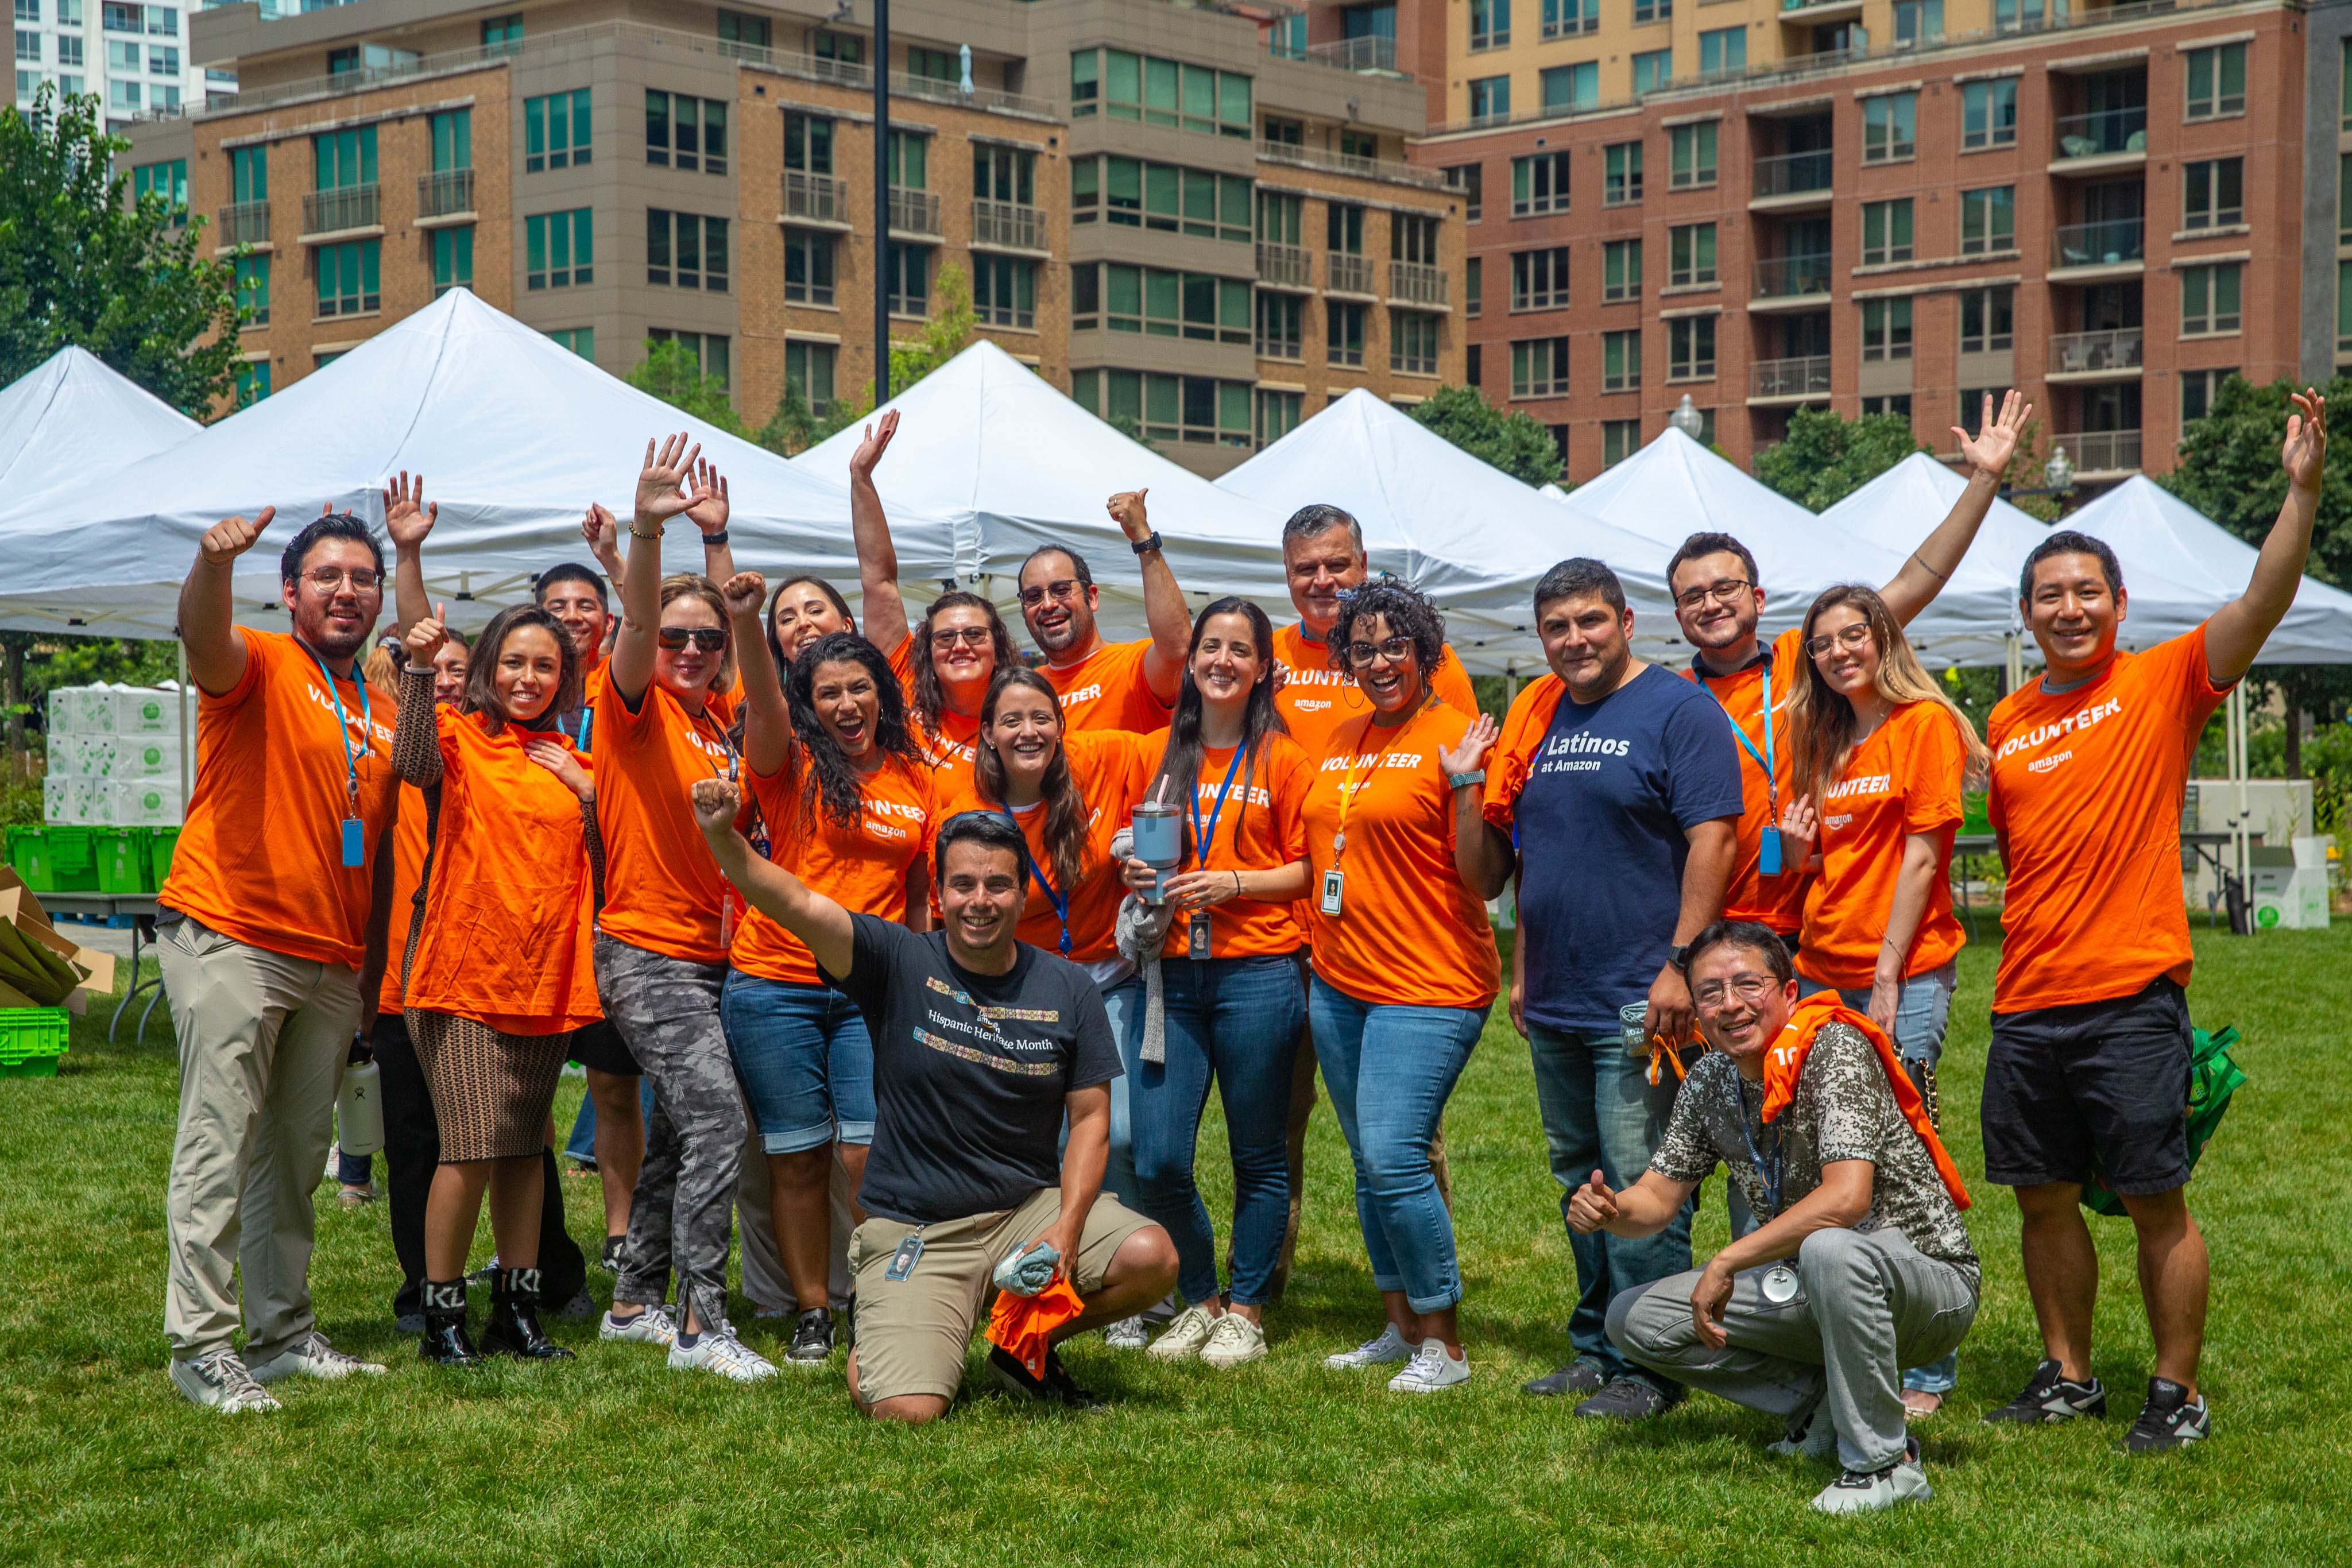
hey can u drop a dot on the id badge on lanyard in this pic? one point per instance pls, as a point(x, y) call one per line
point(355, 834)
point(1768, 847)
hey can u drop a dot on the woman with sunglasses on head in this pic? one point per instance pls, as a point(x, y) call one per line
point(661, 941)
point(1879, 758)
point(1404, 964)
point(1232, 996)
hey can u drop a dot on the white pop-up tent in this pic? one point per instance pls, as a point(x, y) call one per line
point(1461, 529)
point(514, 436)
point(73, 419)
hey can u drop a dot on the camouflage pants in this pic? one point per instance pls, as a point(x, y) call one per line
point(682, 1214)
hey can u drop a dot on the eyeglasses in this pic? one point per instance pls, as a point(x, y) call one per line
point(1064, 590)
point(709, 639)
point(1727, 591)
point(1395, 650)
point(969, 637)
point(1747, 987)
point(1852, 636)
point(326, 579)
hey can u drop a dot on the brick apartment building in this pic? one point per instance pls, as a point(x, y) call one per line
point(1181, 214)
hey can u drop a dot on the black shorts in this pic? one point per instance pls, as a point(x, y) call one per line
point(2108, 1079)
point(599, 1047)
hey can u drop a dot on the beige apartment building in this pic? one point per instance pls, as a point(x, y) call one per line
point(1173, 212)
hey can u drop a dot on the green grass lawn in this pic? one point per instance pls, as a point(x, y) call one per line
point(614, 1459)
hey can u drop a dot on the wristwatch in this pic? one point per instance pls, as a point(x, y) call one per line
point(1146, 545)
point(717, 538)
point(1455, 780)
point(1675, 954)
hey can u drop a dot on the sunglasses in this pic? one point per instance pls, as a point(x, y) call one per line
point(709, 639)
point(969, 637)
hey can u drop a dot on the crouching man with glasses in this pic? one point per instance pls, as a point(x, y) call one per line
point(1861, 1267)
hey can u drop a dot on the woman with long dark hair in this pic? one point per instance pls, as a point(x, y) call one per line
point(951, 663)
point(802, 611)
point(1232, 996)
point(847, 800)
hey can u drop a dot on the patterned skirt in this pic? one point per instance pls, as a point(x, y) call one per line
point(491, 1091)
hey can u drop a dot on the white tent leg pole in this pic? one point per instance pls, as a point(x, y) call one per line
point(1511, 684)
point(2013, 655)
point(2238, 845)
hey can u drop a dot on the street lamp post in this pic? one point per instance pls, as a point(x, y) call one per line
point(1687, 419)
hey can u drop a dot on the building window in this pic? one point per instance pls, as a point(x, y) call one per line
point(253, 290)
point(1490, 97)
point(121, 18)
point(555, 132)
point(1571, 18)
point(1010, 175)
point(1539, 184)
point(1413, 239)
point(1652, 70)
point(1620, 180)
point(1471, 365)
point(252, 382)
point(1413, 342)
point(1886, 232)
point(122, 56)
point(1163, 304)
point(1723, 51)
point(1281, 326)
point(69, 49)
point(163, 60)
point(453, 140)
point(1155, 195)
point(2344, 307)
point(933, 65)
point(1653, 10)
point(1897, 404)
point(1343, 229)
point(1620, 270)
point(248, 174)
point(1281, 220)
point(28, 48)
point(1474, 284)
point(1889, 126)
point(1620, 439)
point(581, 340)
point(1621, 361)
point(738, 33)
point(1690, 348)
point(1539, 279)
point(1278, 413)
point(1159, 92)
point(1469, 181)
point(2209, 299)
point(711, 351)
point(1169, 408)
point(121, 95)
point(168, 180)
point(349, 278)
point(1989, 113)
point(1988, 220)
point(1343, 333)
point(2197, 391)
point(2217, 81)
point(1987, 320)
point(1885, 329)
point(1918, 22)
point(808, 266)
point(808, 144)
point(1570, 87)
point(1540, 367)
point(686, 250)
point(1690, 255)
point(29, 11)
point(560, 248)
point(2343, 199)
point(502, 35)
point(453, 259)
point(1693, 155)
point(907, 271)
point(1490, 23)
point(2214, 193)
point(809, 373)
point(684, 132)
point(1004, 290)
point(343, 158)
point(910, 160)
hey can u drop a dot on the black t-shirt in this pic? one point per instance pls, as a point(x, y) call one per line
point(970, 1071)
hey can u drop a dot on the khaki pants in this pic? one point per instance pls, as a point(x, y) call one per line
point(263, 1039)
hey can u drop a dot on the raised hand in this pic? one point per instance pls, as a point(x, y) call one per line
point(877, 440)
point(708, 512)
point(2304, 454)
point(662, 482)
point(560, 761)
point(603, 532)
point(742, 593)
point(716, 802)
point(1591, 1206)
point(406, 517)
point(1990, 453)
point(1126, 509)
point(1465, 755)
point(231, 537)
point(426, 638)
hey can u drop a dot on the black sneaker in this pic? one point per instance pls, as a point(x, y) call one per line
point(1627, 1398)
point(2052, 1397)
point(2169, 1419)
point(1583, 1376)
point(812, 1339)
point(1056, 1387)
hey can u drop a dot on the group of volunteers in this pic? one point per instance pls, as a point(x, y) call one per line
point(981, 933)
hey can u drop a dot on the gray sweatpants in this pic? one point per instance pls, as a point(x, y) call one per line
point(1866, 1307)
point(682, 1215)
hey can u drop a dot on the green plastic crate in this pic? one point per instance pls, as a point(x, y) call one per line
point(121, 857)
point(31, 1040)
point(54, 859)
point(161, 843)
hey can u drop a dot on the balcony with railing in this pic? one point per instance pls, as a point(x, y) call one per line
point(445, 193)
point(1793, 379)
point(244, 223)
point(341, 211)
point(2111, 242)
point(1288, 265)
point(815, 198)
point(1370, 54)
point(1416, 283)
point(1792, 276)
point(2094, 356)
point(1346, 273)
point(1008, 226)
point(914, 212)
point(1806, 13)
point(1794, 175)
point(2101, 451)
point(2102, 133)
point(1351, 164)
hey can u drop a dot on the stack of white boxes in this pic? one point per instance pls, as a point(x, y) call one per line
point(114, 756)
point(2290, 890)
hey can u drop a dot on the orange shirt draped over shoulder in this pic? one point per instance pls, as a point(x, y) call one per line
point(260, 858)
point(1903, 780)
point(1408, 932)
point(2086, 790)
point(1776, 902)
point(1262, 828)
point(1315, 700)
point(663, 891)
point(1107, 690)
point(862, 866)
point(509, 907)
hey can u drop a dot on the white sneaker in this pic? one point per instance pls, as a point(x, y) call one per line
point(1818, 1442)
point(312, 1356)
point(1431, 1369)
point(718, 1350)
point(220, 1380)
point(1383, 1349)
point(1867, 1492)
point(652, 1326)
point(1184, 1337)
point(1127, 1333)
point(1231, 1342)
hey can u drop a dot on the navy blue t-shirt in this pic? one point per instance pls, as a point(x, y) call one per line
point(1601, 827)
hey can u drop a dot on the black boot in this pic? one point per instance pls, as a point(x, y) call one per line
point(445, 1341)
point(513, 1328)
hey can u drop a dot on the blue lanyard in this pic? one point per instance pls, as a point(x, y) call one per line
point(580, 737)
point(1201, 840)
point(1764, 757)
point(1060, 900)
point(343, 725)
point(1772, 1178)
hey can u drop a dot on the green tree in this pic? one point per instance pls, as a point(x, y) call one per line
point(1826, 457)
point(672, 373)
point(796, 425)
point(135, 284)
point(1516, 443)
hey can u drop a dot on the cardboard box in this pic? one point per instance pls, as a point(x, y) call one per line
point(20, 908)
point(145, 802)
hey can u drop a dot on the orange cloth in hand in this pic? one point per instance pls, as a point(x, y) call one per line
point(1019, 1324)
point(1786, 1059)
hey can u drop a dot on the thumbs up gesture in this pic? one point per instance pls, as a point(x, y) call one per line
point(427, 637)
point(1591, 1206)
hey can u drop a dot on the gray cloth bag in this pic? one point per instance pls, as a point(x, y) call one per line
point(1141, 932)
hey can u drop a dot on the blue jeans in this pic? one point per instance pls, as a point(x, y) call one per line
point(1237, 1019)
point(804, 1059)
point(1390, 1070)
point(583, 1143)
point(1601, 1112)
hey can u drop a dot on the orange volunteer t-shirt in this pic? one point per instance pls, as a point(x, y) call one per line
point(260, 858)
point(2087, 792)
point(949, 750)
point(1260, 829)
point(1107, 690)
point(1315, 699)
point(1408, 932)
point(1774, 901)
point(509, 912)
point(862, 867)
point(1903, 780)
point(1111, 769)
point(663, 891)
point(409, 841)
